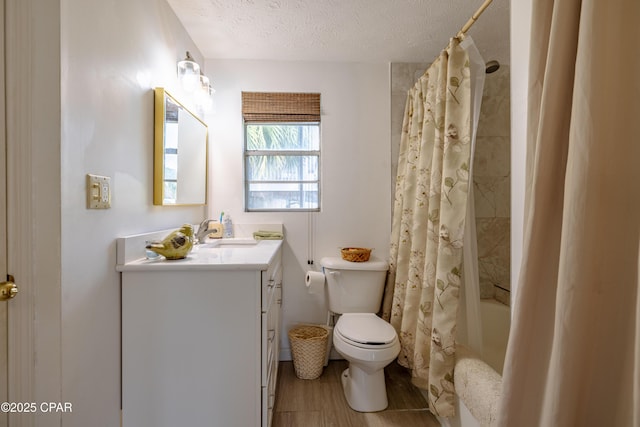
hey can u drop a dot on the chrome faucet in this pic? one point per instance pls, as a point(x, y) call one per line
point(203, 231)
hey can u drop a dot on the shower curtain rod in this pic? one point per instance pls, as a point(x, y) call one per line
point(473, 19)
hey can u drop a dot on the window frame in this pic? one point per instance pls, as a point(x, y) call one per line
point(288, 153)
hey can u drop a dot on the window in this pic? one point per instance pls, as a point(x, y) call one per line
point(282, 151)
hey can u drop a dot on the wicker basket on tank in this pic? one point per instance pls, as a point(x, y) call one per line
point(355, 254)
point(308, 348)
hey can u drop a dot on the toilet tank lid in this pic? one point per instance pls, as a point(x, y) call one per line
point(337, 263)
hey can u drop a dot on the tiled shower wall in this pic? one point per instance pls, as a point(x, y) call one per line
point(491, 174)
point(491, 178)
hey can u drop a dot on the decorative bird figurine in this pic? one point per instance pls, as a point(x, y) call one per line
point(176, 245)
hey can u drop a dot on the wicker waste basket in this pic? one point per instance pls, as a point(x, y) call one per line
point(308, 348)
point(355, 254)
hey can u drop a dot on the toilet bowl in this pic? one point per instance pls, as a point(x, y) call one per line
point(366, 341)
point(369, 344)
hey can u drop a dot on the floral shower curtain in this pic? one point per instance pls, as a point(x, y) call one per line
point(432, 187)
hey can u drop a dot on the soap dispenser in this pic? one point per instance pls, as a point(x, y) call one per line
point(228, 226)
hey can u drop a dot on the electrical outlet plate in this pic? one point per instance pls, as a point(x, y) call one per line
point(98, 192)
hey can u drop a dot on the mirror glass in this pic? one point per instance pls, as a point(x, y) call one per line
point(180, 154)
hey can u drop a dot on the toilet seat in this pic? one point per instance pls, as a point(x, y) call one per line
point(365, 330)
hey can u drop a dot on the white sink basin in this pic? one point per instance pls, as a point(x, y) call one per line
point(228, 243)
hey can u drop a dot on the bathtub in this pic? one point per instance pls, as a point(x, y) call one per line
point(478, 382)
point(496, 320)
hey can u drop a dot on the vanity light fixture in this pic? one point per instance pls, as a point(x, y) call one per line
point(188, 73)
point(196, 84)
point(205, 86)
point(204, 95)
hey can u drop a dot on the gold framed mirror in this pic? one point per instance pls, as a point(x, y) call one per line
point(180, 153)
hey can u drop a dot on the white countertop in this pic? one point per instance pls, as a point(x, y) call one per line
point(248, 257)
point(226, 256)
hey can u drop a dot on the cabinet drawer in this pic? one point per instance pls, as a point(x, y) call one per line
point(269, 342)
point(270, 279)
point(273, 379)
point(269, 395)
point(267, 294)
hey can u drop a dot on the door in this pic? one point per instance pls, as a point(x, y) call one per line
point(30, 134)
point(4, 353)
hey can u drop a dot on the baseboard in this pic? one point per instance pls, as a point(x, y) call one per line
point(285, 355)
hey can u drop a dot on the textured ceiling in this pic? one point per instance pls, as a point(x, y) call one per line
point(340, 30)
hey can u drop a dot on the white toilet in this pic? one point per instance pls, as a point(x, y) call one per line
point(369, 343)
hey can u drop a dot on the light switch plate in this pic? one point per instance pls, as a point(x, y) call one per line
point(98, 192)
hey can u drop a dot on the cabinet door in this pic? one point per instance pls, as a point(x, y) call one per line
point(191, 356)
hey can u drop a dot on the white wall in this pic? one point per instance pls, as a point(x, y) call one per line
point(112, 54)
point(520, 41)
point(355, 164)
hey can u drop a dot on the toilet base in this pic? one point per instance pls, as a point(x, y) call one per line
point(365, 392)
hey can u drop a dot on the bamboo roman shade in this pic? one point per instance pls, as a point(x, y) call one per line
point(280, 107)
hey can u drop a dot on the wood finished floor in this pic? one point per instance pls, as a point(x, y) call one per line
point(321, 402)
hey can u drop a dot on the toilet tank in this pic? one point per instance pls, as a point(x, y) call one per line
point(354, 287)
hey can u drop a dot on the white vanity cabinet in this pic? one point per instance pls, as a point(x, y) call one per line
point(200, 342)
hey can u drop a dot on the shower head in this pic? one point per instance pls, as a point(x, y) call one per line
point(492, 66)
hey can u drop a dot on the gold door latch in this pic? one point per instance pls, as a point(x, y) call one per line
point(8, 289)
